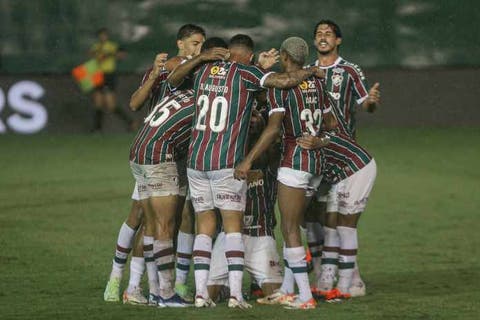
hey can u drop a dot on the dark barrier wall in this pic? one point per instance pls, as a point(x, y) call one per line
point(55, 35)
point(32, 104)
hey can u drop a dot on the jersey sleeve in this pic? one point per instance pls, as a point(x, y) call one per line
point(359, 84)
point(253, 77)
point(276, 99)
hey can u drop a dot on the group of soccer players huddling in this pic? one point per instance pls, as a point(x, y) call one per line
point(223, 141)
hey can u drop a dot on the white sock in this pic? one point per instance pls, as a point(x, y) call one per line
point(153, 283)
point(184, 256)
point(202, 253)
point(346, 261)
point(329, 259)
point(164, 259)
point(288, 283)
point(297, 262)
point(137, 268)
point(124, 246)
point(234, 252)
point(356, 278)
point(315, 245)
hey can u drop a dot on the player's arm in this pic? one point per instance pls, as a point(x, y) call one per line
point(373, 100)
point(175, 78)
point(139, 97)
point(291, 79)
point(268, 136)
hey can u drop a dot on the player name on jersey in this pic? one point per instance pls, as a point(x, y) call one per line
point(166, 129)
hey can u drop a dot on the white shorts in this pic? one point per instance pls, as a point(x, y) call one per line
point(352, 193)
point(135, 195)
point(261, 260)
point(216, 189)
point(158, 180)
point(328, 193)
point(298, 179)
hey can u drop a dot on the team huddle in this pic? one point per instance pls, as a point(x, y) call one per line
point(224, 141)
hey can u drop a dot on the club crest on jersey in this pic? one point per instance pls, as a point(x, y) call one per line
point(337, 79)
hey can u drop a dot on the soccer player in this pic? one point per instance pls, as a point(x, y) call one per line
point(189, 41)
point(261, 257)
point(347, 85)
point(106, 52)
point(152, 160)
point(299, 110)
point(224, 97)
point(351, 172)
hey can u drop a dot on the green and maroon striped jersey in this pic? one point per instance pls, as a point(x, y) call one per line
point(343, 156)
point(259, 218)
point(303, 107)
point(224, 93)
point(348, 87)
point(166, 129)
point(158, 90)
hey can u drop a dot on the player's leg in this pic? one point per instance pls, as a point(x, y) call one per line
point(206, 221)
point(230, 196)
point(355, 191)
point(315, 239)
point(98, 105)
point(133, 294)
point(291, 202)
point(123, 247)
point(185, 236)
point(331, 244)
point(218, 277)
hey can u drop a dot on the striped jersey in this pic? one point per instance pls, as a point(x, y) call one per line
point(303, 107)
point(348, 87)
point(224, 93)
point(343, 156)
point(165, 129)
point(158, 90)
point(259, 218)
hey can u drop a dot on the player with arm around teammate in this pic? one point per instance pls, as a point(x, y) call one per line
point(299, 110)
point(224, 96)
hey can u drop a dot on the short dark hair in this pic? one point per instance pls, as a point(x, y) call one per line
point(214, 42)
point(241, 40)
point(188, 30)
point(331, 24)
point(101, 30)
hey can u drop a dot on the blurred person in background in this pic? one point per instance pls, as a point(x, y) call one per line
point(106, 52)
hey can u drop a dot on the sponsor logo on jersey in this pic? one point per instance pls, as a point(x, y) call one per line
point(303, 85)
point(247, 220)
point(335, 95)
point(338, 70)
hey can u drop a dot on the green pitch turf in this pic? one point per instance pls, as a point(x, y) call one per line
point(63, 199)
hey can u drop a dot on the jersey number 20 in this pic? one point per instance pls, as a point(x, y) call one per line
point(218, 113)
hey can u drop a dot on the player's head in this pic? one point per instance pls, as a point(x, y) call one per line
point(102, 34)
point(189, 40)
point(294, 50)
point(327, 37)
point(214, 42)
point(241, 48)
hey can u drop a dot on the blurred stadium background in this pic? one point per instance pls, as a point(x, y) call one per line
point(425, 53)
point(64, 192)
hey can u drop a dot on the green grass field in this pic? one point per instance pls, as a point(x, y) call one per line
point(63, 199)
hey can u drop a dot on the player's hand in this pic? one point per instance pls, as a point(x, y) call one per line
point(310, 142)
point(267, 59)
point(317, 71)
point(374, 94)
point(215, 54)
point(158, 64)
point(241, 170)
